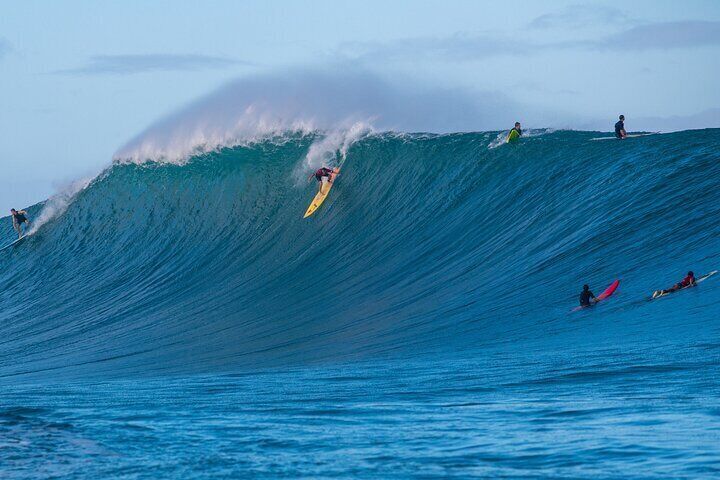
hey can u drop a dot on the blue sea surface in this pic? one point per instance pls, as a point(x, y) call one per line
point(599, 413)
point(185, 321)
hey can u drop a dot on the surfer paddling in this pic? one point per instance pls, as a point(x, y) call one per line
point(620, 128)
point(514, 132)
point(324, 175)
point(688, 281)
point(18, 218)
point(586, 296)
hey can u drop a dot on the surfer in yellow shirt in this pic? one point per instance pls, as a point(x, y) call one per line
point(515, 132)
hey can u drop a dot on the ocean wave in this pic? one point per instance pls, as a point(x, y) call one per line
point(427, 243)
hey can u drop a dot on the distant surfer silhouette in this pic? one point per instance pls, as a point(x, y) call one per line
point(620, 128)
point(18, 218)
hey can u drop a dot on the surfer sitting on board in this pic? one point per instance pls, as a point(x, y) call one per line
point(517, 129)
point(688, 281)
point(323, 175)
point(620, 128)
point(586, 295)
point(18, 219)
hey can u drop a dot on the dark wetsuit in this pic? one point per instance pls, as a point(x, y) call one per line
point(619, 128)
point(585, 297)
point(519, 130)
point(18, 220)
point(323, 172)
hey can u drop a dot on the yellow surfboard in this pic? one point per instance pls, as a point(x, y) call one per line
point(514, 135)
point(322, 194)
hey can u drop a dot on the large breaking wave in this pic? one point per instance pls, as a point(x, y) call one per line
point(428, 243)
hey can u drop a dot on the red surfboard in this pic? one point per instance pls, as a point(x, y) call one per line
point(608, 292)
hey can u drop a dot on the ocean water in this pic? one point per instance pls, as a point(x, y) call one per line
point(182, 320)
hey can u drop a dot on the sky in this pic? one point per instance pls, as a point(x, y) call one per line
point(79, 80)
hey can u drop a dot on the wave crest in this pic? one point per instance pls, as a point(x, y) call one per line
point(335, 103)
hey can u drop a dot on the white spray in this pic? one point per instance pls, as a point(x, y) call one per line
point(341, 105)
point(59, 203)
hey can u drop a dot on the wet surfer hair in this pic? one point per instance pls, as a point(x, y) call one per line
point(586, 287)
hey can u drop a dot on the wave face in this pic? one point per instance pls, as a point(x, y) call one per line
point(428, 244)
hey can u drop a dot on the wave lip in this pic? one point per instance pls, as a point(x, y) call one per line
point(300, 101)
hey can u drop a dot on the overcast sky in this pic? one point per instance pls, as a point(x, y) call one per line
point(79, 79)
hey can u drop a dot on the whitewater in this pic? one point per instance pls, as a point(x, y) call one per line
point(176, 316)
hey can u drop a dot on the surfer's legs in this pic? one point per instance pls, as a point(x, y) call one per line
point(18, 229)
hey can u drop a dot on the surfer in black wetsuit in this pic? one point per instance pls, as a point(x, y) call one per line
point(320, 174)
point(18, 218)
point(620, 128)
point(585, 296)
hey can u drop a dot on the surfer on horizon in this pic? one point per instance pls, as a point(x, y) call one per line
point(688, 281)
point(517, 129)
point(620, 128)
point(18, 218)
point(586, 295)
point(323, 175)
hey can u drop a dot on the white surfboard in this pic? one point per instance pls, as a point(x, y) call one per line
point(13, 243)
point(628, 136)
